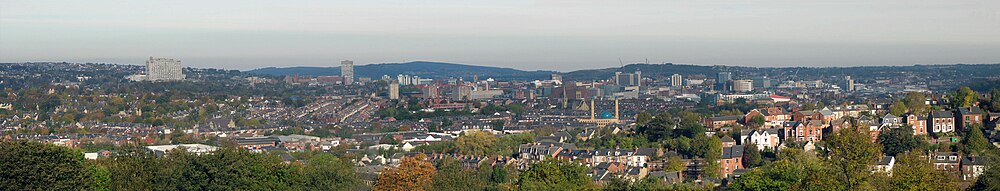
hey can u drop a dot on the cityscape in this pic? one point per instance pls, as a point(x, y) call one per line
point(171, 119)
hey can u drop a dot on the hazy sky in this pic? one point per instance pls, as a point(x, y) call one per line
point(544, 34)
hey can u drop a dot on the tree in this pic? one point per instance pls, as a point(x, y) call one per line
point(995, 100)
point(451, 176)
point(965, 97)
point(898, 108)
point(327, 172)
point(757, 121)
point(675, 163)
point(898, 140)
point(414, 173)
point(710, 149)
point(555, 174)
point(975, 141)
point(37, 166)
point(476, 143)
point(751, 156)
point(850, 156)
point(913, 173)
point(917, 102)
point(989, 180)
point(643, 118)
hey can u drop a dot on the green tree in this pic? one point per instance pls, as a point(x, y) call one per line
point(995, 100)
point(675, 163)
point(37, 166)
point(327, 172)
point(989, 180)
point(643, 118)
point(898, 108)
point(917, 102)
point(452, 176)
point(975, 141)
point(898, 140)
point(850, 156)
point(710, 149)
point(913, 173)
point(751, 156)
point(555, 174)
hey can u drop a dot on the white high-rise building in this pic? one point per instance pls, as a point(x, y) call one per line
point(676, 80)
point(164, 69)
point(742, 85)
point(347, 71)
point(394, 90)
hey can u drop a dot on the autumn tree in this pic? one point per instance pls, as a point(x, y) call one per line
point(414, 173)
point(476, 143)
point(965, 97)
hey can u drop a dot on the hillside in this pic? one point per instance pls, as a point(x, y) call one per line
point(419, 68)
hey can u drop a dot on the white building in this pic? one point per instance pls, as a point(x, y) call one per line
point(676, 80)
point(347, 71)
point(394, 90)
point(742, 85)
point(164, 69)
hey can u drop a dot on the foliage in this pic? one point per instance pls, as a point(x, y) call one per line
point(327, 172)
point(452, 176)
point(995, 100)
point(850, 157)
point(476, 143)
point(710, 149)
point(975, 141)
point(913, 173)
point(414, 173)
point(555, 174)
point(899, 140)
point(37, 166)
point(751, 156)
point(989, 180)
point(675, 163)
point(916, 102)
point(898, 108)
point(795, 170)
point(965, 97)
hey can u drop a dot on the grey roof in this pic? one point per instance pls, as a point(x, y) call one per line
point(970, 111)
point(732, 152)
point(942, 114)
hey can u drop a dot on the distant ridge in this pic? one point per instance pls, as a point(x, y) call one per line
point(423, 69)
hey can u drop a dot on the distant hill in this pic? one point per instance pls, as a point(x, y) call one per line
point(648, 70)
point(420, 68)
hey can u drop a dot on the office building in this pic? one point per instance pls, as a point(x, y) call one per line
point(347, 71)
point(394, 90)
point(676, 80)
point(742, 85)
point(164, 69)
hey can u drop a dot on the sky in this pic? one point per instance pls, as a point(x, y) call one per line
point(560, 35)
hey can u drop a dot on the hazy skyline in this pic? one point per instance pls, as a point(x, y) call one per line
point(530, 35)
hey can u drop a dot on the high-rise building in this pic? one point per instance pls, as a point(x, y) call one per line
point(164, 69)
point(742, 85)
point(676, 80)
point(848, 83)
point(394, 90)
point(723, 77)
point(762, 82)
point(347, 71)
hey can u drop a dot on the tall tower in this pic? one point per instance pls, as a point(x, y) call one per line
point(394, 90)
point(592, 114)
point(616, 109)
point(347, 71)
